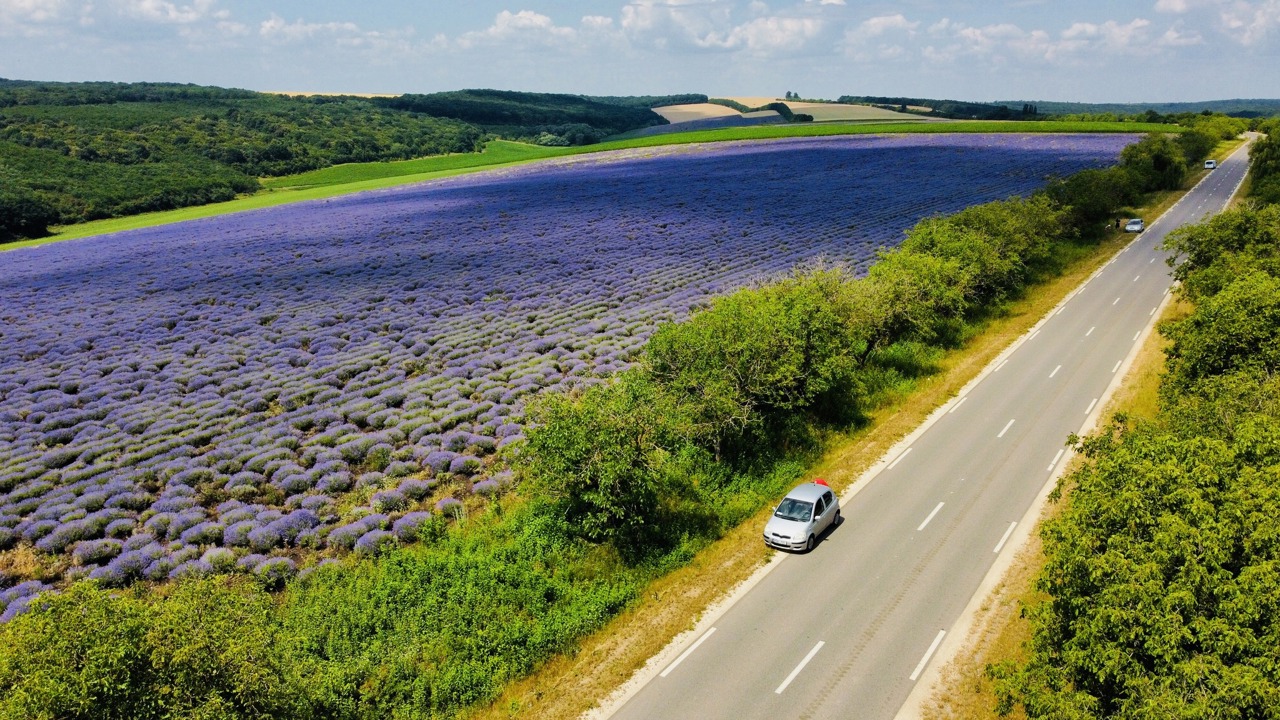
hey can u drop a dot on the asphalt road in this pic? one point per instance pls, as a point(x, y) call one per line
point(847, 630)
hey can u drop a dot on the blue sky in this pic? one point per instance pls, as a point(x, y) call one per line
point(1088, 50)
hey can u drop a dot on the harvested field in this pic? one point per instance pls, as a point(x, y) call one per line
point(697, 111)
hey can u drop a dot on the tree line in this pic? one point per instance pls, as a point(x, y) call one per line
point(541, 118)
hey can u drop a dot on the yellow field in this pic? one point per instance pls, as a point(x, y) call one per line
point(696, 111)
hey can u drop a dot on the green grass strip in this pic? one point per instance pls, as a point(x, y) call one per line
point(357, 177)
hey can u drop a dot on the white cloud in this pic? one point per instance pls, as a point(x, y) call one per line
point(877, 26)
point(162, 11)
point(29, 17)
point(1110, 34)
point(522, 27)
point(773, 34)
point(710, 25)
point(1175, 37)
point(31, 10)
point(278, 29)
point(868, 41)
point(1173, 6)
point(1249, 23)
point(1080, 44)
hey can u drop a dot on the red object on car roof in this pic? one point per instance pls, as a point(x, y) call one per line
point(820, 481)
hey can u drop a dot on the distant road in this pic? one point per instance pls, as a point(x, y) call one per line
point(848, 630)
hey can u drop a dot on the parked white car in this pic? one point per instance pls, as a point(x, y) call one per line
point(1210, 164)
point(1135, 225)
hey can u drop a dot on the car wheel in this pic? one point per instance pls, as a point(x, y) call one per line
point(808, 546)
point(838, 519)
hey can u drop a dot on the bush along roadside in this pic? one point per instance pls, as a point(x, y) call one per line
point(1161, 571)
point(618, 484)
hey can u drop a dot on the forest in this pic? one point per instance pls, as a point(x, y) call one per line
point(540, 118)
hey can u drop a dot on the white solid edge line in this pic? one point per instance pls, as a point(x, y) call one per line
point(957, 404)
point(1090, 409)
point(926, 520)
point(1117, 366)
point(1002, 364)
point(1006, 429)
point(899, 459)
point(687, 653)
point(799, 667)
point(1005, 538)
point(1056, 458)
point(928, 654)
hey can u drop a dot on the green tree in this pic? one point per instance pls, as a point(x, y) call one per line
point(79, 654)
point(758, 357)
point(1208, 256)
point(907, 296)
point(24, 214)
point(1092, 198)
point(1236, 328)
point(210, 649)
point(598, 458)
point(1158, 161)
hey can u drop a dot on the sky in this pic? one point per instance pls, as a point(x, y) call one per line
point(1082, 51)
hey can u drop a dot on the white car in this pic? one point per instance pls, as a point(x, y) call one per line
point(803, 515)
point(1135, 225)
point(1210, 164)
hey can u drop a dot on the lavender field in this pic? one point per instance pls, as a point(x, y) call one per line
point(235, 392)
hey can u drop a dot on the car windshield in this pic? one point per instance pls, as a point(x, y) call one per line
point(792, 509)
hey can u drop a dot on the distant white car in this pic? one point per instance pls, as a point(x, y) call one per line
point(1210, 164)
point(1135, 225)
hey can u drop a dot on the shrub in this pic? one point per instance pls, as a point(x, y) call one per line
point(272, 574)
point(205, 533)
point(374, 541)
point(415, 489)
point(220, 559)
point(94, 552)
point(464, 465)
point(237, 534)
point(265, 539)
point(388, 501)
point(407, 528)
point(449, 507)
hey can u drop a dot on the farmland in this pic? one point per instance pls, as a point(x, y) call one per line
point(326, 377)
